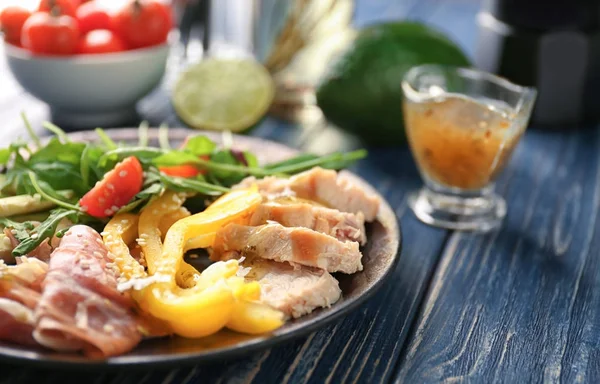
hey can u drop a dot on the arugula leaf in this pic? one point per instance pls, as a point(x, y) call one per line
point(143, 197)
point(144, 154)
point(163, 137)
point(43, 231)
point(56, 130)
point(227, 177)
point(34, 137)
point(251, 160)
point(87, 163)
point(49, 194)
point(5, 156)
point(20, 230)
point(106, 140)
point(57, 151)
point(175, 157)
point(143, 133)
point(301, 163)
point(291, 161)
point(181, 184)
point(199, 145)
point(61, 176)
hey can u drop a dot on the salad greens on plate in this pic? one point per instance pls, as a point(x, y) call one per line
point(87, 183)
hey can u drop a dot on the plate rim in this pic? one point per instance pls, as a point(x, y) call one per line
point(28, 357)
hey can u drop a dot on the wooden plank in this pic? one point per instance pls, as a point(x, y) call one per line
point(521, 304)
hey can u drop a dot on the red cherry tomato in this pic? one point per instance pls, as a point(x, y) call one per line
point(91, 17)
point(53, 35)
point(184, 170)
point(100, 41)
point(115, 190)
point(65, 7)
point(143, 23)
point(11, 23)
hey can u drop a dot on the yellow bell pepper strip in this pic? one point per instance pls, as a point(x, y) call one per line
point(208, 306)
point(196, 312)
point(249, 315)
point(238, 204)
point(254, 318)
point(171, 219)
point(148, 227)
point(120, 231)
point(186, 278)
point(166, 211)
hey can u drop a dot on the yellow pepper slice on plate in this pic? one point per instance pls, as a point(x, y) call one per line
point(171, 219)
point(209, 305)
point(162, 212)
point(234, 206)
point(120, 231)
point(252, 317)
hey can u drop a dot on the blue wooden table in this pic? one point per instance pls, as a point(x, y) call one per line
point(521, 304)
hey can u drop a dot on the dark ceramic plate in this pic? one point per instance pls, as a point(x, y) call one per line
point(380, 256)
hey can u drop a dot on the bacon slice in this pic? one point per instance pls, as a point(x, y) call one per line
point(19, 295)
point(16, 322)
point(80, 308)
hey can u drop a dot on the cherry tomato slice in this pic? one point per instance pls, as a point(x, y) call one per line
point(47, 34)
point(143, 23)
point(116, 189)
point(184, 170)
point(11, 23)
point(65, 7)
point(100, 41)
point(90, 17)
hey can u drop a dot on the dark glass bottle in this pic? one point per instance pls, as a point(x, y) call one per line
point(553, 45)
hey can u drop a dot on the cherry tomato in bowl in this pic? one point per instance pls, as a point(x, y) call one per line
point(64, 7)
point(11, 23)
point(45, 33)
point(143, 23)
point(100, 41)
point(91, 16)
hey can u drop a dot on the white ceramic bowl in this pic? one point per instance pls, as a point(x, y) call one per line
point(90, 90)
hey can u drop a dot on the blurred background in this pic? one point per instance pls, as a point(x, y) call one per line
point(331, 63)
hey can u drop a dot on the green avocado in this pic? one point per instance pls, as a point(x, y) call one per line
point(361, 92)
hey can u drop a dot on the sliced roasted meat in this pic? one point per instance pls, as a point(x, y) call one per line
point(321, 185)
point(294, 291)
point(80, 308)
point(295, 245)
point(343, 226)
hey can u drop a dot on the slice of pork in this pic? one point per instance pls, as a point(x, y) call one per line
point(343, 226)
point(294, 291)
point(16, 322)
point(322, 185)
point(20, 287)
point(81, 308)
point(295, 245)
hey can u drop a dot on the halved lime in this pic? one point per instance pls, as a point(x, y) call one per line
point(223, 94)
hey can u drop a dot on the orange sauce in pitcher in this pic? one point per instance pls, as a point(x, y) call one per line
point(460, 142)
